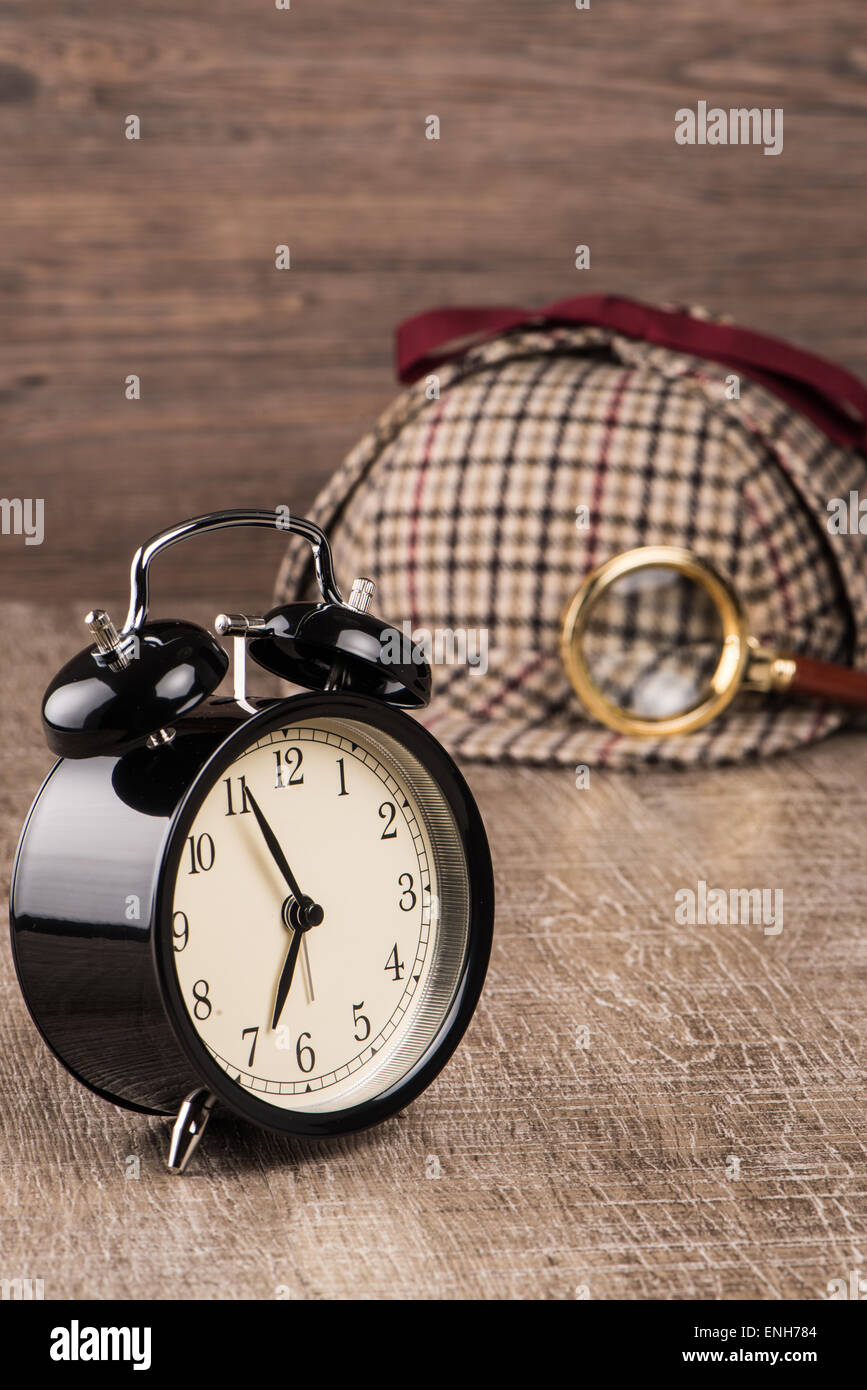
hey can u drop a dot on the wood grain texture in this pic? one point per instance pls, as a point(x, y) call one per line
point(565, 1169)
point(306, 126)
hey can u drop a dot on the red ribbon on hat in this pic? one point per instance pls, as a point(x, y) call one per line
point(831, 397)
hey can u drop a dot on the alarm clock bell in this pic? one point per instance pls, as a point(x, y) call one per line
point(131, 686)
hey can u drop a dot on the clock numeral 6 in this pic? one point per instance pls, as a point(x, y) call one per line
point(202, 853)
point(359, 1018)
point(202, 1006)
point(302, 1052)
point(289, 761)
point(180, 934)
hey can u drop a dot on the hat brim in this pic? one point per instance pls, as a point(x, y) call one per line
point(524, 712)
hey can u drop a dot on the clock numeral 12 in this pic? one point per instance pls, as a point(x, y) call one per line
point(285, 760)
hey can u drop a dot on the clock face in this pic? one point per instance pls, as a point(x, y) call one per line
point(320, 915)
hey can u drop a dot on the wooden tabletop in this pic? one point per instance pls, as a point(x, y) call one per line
point(640, 1109)
point(306, 127)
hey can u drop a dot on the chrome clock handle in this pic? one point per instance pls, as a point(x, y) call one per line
point(279, 519)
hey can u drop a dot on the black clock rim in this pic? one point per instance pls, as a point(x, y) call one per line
point(479, 931)
point(35, 1019)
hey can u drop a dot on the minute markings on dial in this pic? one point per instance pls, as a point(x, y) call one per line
point(353, 1064)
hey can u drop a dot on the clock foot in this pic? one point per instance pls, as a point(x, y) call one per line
point(189, 1127)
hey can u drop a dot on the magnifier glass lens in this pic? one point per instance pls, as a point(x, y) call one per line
point(652, 643)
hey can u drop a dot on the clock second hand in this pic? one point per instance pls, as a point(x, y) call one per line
point(308, 976)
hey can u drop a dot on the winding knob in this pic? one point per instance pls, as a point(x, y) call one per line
point(361, 594)
point(106, 637)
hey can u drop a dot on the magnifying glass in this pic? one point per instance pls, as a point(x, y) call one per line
point(656, 642)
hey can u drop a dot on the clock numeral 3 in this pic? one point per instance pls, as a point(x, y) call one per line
point(181, 935)
point(305, 1052)
point(408, 898)
point(289, 761)
point(202, 1003)
point(202, 853)
point(359, 1018)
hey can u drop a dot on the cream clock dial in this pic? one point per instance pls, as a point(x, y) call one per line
point(313, 1014)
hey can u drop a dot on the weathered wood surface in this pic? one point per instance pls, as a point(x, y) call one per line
point(306, 126)
point(570, 1164)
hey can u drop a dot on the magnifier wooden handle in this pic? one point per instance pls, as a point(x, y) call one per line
point(825, 681)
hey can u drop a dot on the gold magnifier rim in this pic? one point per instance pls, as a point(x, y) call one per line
point(734, 655)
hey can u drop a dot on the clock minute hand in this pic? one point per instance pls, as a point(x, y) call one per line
point(310, 913)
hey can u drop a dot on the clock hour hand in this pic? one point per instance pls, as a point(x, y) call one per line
point(299, 927)
point(310, 913)
point(288, 971)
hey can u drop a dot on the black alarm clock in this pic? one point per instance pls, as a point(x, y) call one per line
point(284, 905)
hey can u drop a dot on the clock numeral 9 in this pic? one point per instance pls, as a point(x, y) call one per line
point(202, 853)
point(408, 898)
point(181, 935)
point(202, 1003)
point(387, 813)
point(290, 760)
point(302, 1052)
point(359, 1018)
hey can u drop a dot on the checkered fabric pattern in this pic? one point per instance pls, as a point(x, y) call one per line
point(653, 643)
point(463, 509)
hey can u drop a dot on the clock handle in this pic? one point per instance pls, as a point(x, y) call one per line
point(278, 519)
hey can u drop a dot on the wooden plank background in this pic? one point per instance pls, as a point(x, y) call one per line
point(306, 127)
